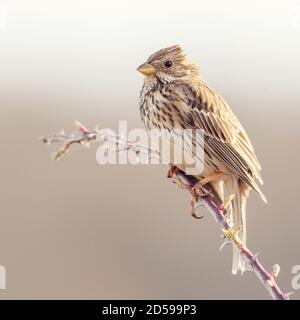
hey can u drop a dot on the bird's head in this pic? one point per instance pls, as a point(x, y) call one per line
point(169, 64)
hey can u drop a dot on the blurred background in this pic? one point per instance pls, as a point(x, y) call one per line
point(75, 229)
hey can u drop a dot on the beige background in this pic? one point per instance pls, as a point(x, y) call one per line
point(74, 229)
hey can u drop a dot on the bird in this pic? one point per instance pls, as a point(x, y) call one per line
point(174, 96)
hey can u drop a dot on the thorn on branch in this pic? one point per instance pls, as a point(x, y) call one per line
point(225, 243)
point(81, 127)
point(288, 294)
point(248, 268)
point(275, 271)
point(255, 256)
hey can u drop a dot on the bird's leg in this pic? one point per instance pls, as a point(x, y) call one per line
point(214, 177)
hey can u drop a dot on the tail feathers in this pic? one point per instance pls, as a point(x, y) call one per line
point(256, 188)
point(237, 218)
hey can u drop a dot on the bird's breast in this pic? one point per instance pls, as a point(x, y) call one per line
point(155, 109)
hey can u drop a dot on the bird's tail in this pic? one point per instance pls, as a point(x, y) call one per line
point(237, 218)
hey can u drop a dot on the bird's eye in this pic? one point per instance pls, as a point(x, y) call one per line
point(168, 64)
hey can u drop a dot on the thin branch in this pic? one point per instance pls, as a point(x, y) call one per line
point(214, 204)
point(84, 137)
point(210, 200)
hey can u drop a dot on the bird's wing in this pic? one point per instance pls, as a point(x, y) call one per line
point(225, 137)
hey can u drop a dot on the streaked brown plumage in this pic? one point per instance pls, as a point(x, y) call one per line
point(175, 96)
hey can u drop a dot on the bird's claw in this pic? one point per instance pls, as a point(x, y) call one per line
point(194, 215)
point(197, 192)
point(225, 243)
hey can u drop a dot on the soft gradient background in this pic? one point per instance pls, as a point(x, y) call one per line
point(74, 229)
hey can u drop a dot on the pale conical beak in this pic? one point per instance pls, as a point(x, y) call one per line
point(146, 69)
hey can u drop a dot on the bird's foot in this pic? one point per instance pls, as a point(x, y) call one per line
point(197, 192)
point(172, 174)
point(172, 171)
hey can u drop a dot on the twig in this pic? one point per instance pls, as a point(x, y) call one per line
point(214, 204)
point(84, 137)
point(211, 201)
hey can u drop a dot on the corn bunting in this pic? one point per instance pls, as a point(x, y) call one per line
point(174, 96)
